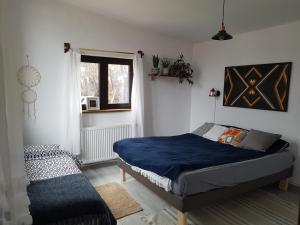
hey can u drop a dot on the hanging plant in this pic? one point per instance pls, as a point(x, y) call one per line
point(182, 70)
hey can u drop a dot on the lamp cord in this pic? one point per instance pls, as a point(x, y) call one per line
point(223, 12)
point(215, 109)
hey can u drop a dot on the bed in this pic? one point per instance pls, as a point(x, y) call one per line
point(170, 167)
point(59, 193)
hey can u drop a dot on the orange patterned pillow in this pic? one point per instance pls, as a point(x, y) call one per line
point(233, 136)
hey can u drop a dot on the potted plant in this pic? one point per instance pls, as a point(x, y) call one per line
point(165, 66)
point(155, 60)
point(182, 70)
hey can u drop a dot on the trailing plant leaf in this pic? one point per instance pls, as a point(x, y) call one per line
point(182, 70)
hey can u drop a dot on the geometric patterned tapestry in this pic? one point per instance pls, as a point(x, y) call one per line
point(263, 86)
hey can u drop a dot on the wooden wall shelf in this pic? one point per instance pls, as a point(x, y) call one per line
point(155, 76)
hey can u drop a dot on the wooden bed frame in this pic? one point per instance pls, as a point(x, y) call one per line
point(192, 202)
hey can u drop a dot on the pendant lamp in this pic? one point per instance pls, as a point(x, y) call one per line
point(222, 34)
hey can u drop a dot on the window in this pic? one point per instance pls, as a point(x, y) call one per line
point(110, 79)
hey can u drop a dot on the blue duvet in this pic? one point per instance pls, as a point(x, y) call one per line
point(169, 156)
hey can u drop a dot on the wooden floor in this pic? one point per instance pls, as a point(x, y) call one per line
point(150, 202)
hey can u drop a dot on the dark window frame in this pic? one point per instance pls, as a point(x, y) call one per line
point(103, 79)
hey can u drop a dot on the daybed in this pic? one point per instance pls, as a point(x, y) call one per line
point(59, 193)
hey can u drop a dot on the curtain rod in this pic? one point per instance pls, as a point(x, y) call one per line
point(67, 47)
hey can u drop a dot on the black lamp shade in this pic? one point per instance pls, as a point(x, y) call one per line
point(222, 35)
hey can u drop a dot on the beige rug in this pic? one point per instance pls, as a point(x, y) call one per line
point(118, 200)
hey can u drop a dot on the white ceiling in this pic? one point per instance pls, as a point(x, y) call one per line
point(195, 20)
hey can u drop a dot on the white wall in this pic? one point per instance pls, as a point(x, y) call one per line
point(276, 44)
point(46, 25)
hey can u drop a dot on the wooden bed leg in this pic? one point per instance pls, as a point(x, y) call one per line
point(122, 176)
point(182, 218)
point(283, 185)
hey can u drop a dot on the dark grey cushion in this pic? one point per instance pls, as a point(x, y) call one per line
point(258, 140)
point(203, 129)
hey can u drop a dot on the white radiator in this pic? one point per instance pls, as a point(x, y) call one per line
point(97, 143)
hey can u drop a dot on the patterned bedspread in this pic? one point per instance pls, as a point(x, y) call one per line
point(46, 164)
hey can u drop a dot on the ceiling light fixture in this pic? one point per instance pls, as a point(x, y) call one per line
point(222, 34)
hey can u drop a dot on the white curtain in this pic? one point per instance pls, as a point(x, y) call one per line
point(137, 99)
point(13, 196)
point(73, 102)
point(4, 207)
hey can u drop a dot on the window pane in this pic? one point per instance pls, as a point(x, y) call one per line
point(89, 79)
point(118, 84)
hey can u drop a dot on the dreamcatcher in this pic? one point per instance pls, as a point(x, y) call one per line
point(29, 77)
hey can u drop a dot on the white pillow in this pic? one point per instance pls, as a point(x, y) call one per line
point(215, 132)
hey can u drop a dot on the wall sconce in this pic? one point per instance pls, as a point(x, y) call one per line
point(214, 93)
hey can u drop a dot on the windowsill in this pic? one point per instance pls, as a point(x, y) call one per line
point(106, 110)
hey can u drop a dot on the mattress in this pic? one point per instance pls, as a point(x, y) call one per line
point(227, 175)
